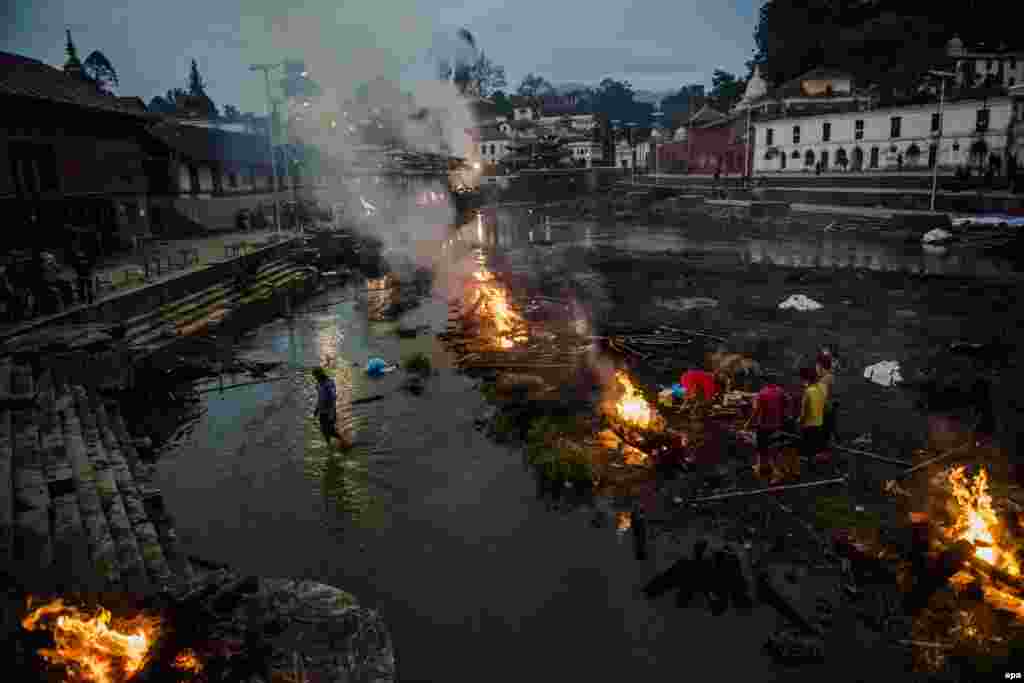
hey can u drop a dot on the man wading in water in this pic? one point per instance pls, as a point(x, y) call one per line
point(326, 410)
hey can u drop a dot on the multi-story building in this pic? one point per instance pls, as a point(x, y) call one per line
point(974, 132)
point(980, 65)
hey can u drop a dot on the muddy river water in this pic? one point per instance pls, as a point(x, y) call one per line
point(440, 529)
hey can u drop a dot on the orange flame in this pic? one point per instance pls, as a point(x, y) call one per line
point(189, 662)
point(976, 521)
point(623, 521)
point(632, 407)
point(495, 308)
point(95, 648)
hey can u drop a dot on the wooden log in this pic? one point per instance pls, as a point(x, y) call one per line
point(770, 592)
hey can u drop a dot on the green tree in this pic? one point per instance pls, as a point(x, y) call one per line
point(196, 84)
point(502, 103)
point(678, 108)
point(534, 86)
point(100, 71)
point(486, 76)
point(726, 90)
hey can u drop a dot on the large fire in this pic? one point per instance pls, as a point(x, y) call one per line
point(494, 307)
point(96, 648)
point(632, 408)
point(976, 521)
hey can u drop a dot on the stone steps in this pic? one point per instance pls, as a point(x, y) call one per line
point(77, 505)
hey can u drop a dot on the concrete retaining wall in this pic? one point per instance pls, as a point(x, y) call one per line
point(148, 297)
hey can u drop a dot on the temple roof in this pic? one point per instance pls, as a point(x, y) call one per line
point(26, 77)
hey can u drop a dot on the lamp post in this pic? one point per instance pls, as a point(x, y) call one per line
point(631, 126)
point(265, 68)
point(293, 69)
point(943, 75)
point(748, 149)
point(655, 136)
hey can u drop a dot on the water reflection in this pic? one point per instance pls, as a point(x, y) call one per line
point(865, 251)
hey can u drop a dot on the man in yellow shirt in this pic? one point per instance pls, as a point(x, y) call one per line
point(812, 415)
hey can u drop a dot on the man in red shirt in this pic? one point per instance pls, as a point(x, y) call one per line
point(768, 419)
point(694, 381)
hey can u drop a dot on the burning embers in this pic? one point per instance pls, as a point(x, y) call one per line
point(976, 521)
point(493, 308)
point(97, 648)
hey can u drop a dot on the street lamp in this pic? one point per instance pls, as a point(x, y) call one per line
point(942, 75)
point(632, 148)
point(655, 136)
point(289, 67)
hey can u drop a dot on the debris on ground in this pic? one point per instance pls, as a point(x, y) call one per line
point(800, 302)
point(937, 236)
point(378, 367)
point(885, 373)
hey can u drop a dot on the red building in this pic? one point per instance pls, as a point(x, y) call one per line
point(715, 142)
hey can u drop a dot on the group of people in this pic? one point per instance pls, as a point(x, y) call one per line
point(814, 415)
point(36, 285)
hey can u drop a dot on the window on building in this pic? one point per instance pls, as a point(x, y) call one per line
point(33, 167)
point(796, 135)
point(1012, 81)
point(991, 65)
point(874, 158)
point(826, 132)
point(981, 120)
point(933, 153)
point(769, 136)
point(858, 129)
point(935, 122)
point(895, 126)
point(1013, 63)
point(232, 179)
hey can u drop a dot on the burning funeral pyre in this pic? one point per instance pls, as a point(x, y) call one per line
point(94, 648)
point(220, 627)
point(492, 309)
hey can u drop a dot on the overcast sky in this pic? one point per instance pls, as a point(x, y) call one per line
point(654, 44)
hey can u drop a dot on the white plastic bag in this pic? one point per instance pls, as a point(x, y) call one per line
point(800, 303)
point(937, 235)
point(885, 373)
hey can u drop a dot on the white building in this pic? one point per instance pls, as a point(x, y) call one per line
point(492, 147)
point(586, 152)
point(624, 155)
point(999, 64)
point(972, 131)
point(581, 123)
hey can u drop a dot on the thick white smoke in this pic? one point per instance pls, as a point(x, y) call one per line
point(357, 43)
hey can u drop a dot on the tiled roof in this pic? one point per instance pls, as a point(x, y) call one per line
point(26, 77)
point(210, 144)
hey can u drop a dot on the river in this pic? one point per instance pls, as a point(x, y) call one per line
point(430, 522)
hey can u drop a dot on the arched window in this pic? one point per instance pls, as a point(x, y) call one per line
point(858, 158)
point(809, 158)
point(874, 157)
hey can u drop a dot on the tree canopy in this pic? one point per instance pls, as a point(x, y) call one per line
point(726, 90)
point(99, 69)
point(533, 85)
point(678, 108)
point(886, 42)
